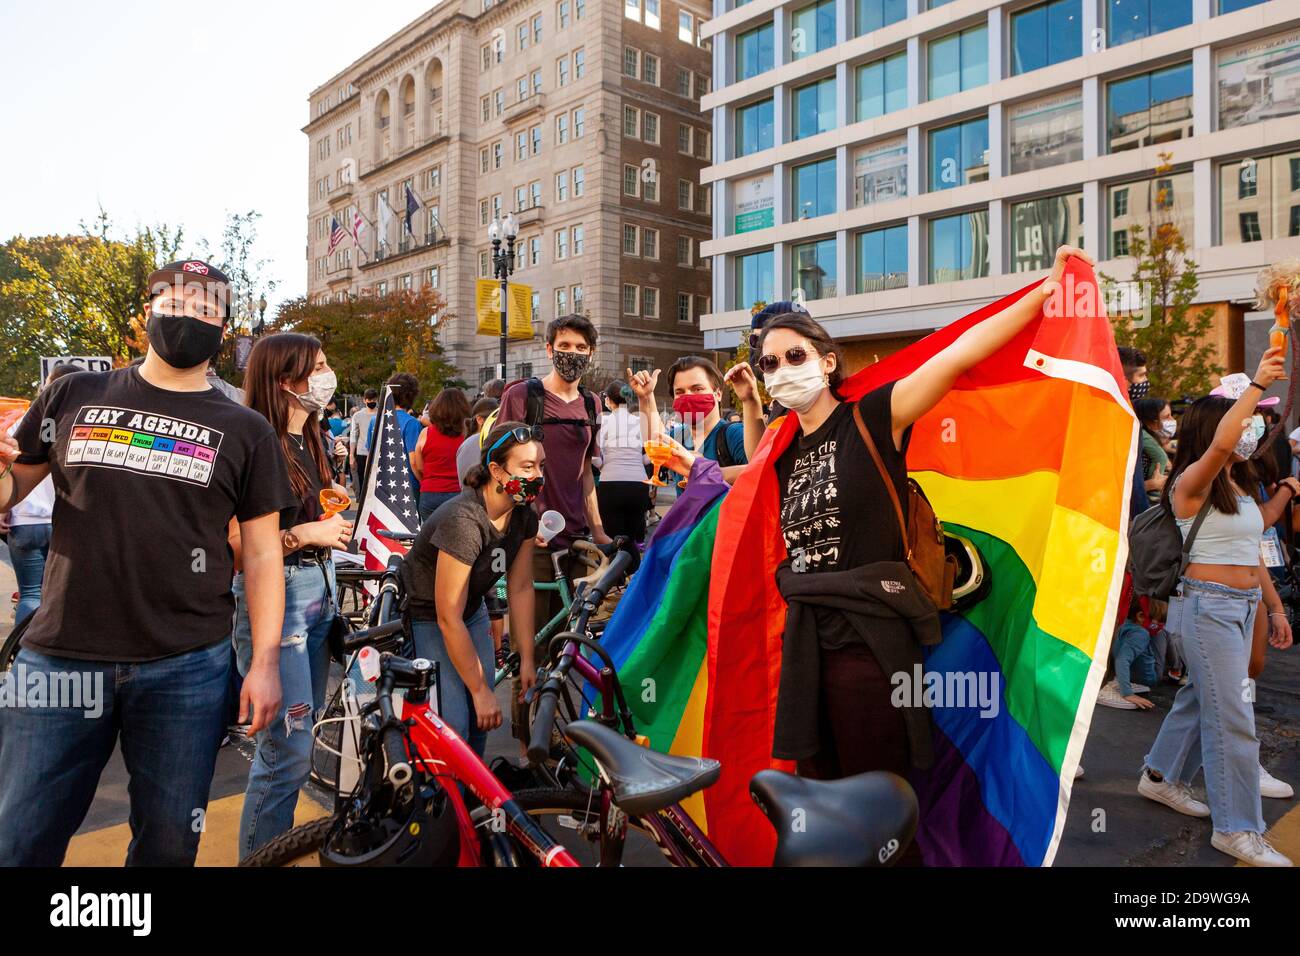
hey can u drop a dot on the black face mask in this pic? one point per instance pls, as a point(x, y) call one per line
point(181, 341)
point(371, 404)
point(1138, 390)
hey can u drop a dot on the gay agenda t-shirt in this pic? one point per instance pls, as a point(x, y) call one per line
point(145, 481)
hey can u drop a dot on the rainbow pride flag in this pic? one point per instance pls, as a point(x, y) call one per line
point(1030, 457)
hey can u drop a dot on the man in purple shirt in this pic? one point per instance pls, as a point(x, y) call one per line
point(567, 417)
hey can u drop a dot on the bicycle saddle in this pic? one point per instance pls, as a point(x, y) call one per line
point(644, 780)
point(864, 820)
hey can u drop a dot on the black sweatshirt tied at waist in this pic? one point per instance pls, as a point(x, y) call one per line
point(878, 590)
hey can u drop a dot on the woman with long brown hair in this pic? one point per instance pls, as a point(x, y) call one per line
point(433, 460)
point(288, 382)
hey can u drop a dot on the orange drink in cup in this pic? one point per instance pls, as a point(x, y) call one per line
point(333, 502)
point(659, 453)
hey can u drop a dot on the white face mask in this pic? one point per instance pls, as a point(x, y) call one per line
point(320, 389)
point(1170, 427)
point(797, 387)
point(1248, 443)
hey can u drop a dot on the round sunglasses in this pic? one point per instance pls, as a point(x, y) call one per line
point(769, 363)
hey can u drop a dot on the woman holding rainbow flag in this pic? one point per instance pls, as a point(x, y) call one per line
point(852, 625)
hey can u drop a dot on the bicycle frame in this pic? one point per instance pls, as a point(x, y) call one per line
point(439, 752)
point(672, 829)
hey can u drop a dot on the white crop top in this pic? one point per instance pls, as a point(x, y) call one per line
point(1226, 539)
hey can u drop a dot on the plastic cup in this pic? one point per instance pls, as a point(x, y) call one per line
point(552, 523)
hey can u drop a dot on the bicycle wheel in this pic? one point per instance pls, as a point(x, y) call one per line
point(297, 847)
point(571, 816)
point(9, 650)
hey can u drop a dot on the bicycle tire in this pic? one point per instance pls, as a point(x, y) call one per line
point(583, 807)
point(299, 844)
point(9, 649)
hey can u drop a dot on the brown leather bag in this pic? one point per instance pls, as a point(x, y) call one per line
point(923, 549)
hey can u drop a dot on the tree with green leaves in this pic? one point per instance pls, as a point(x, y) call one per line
point(368, 338)
point(1159, 319)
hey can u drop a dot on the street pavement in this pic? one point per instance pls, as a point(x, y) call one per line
point(1108, 823)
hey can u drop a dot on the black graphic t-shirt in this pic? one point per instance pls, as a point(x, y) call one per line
point(145, 481)
point(308, 509)
point(462, 528)
point(835, 510)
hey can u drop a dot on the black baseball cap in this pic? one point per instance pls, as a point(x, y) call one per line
point(185, 272)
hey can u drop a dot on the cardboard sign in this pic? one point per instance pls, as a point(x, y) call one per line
point(84, 363)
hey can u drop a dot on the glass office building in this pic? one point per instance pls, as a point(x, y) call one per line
point(901, 162)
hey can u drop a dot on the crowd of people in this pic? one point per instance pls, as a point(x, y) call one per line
point(222, 562)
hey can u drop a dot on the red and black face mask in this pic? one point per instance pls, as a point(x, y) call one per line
point(523, 491)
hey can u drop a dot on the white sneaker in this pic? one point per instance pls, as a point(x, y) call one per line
point(1109, 696)
point(1176, 796)
point(1249, 847)
point(1140, 688)
point(1270, 786)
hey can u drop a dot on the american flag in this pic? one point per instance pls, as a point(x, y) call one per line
point(358, 226)
point(336, 235)
point(390, 505)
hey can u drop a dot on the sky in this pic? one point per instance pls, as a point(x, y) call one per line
point(173, 113)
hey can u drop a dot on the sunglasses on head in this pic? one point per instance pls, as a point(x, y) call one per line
point(520, 435)
point(769, 363)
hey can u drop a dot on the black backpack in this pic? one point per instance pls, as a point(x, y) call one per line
point(535, 404)
point(1157, 555)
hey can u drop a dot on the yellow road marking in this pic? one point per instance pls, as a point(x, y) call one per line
point(1285, 835)
point(217, 847)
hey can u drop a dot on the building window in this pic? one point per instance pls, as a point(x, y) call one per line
point(562, 14)
point(650, 303)
point(486, 105)
point(1257, 80)
point(1128, 20)
point(522, 33)
point(1119, 243)
point(631, 62)
point(632, 122)
point(561, 301)
point(754, 279)
point(959, 247)
point(959, 154)
point(959, 61)
point(579, 239)
point(685, 194)
point(1040, 226)
point(1151, 204)
point(535, 193)
point(498, 155)
point(535, 250)
point(579, 181)
point(650, 69)
point(562, 186)
point(537, 82)
point(650, 188)
point(755, 130)
point(683, 307)
point(483, 218)
point(683, 82)
point(521, 198)
point(536, 305)
point(499, 101)
point(1149, 108)
point(632, 10)
point(755, 53)
point(630, 240)
point(561, 244)
point(579, 8)
point(874, 14)
point(521, 147)
point(685, 252)
point(684, 139)
point(686, 27)
point(576, 292)
point(814, 108)
point(650, 128)
point(880, 172)
point(1046, 34)
point(882, 259)
point(650, 243)
point(579, 64)
point(631, 294)
point(483, 265)
point(562, 71)
point(1294, 229)
point(535, 134)
point(812, 268)
point(813, 189)
point(813, 29)
point(434, 276)
point(537, 28)
point(579, 122)
point(631, 181)
point(1262, 192)
point(1045, 132)
point(652, 14)
point(561, 129)
point(882, 87)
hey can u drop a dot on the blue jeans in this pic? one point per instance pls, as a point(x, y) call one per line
point(169, 716)
point(1213, 717)
point(282, 762)
point(455, 702)
point(28, 546)
point(430, 500)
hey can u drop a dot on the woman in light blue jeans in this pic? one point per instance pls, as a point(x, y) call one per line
point(1212, 722)
point(455, 700)
point(288, 381)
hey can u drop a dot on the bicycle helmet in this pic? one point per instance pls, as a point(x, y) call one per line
point(422, 832)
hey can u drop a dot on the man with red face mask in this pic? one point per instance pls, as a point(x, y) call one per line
point(695, 385)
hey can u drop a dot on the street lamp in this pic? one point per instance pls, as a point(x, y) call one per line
point(503, 266)
point(261, 315)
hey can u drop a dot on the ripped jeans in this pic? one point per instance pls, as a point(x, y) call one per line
point(282, 762)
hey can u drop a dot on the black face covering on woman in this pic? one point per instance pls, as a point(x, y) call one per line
point(181, 341)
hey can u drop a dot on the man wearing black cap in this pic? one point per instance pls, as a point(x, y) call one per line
point(359, 442)
point(150, 464)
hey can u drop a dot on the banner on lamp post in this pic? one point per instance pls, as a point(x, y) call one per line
point(487, 306)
